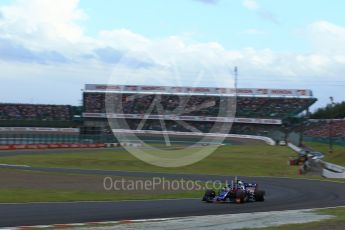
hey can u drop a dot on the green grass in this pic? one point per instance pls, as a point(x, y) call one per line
point(25, 195)
point(241, 160)
point(338, 155)
point(338, 213)
point(250, 160)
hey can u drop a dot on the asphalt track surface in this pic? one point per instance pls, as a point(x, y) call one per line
point(281, 194)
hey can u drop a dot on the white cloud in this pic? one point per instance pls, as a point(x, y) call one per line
point(120, 38)
point(251, 4)
point(42, 24)
point(262, 13)
point(327, 37)
point(63, 54)
point(340, 58)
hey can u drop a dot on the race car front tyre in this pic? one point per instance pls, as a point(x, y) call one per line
point(209, 195)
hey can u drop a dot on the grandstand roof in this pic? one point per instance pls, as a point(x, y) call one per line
point(205, 91)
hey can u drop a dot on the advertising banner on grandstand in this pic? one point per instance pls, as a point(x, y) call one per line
point(184, 118)
point(199, 90)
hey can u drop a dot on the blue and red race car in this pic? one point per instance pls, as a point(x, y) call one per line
point(237, 192)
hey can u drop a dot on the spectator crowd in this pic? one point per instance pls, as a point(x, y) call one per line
point(35, 112)
point(325, 128)
point(248, 107)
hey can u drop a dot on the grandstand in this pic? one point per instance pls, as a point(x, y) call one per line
point(37, 115)
point(324, 128)
point(39, 123)
point(260, 112)
point(34, 112)
point(192, 109)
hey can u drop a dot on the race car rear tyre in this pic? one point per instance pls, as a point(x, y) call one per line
point(260, 195)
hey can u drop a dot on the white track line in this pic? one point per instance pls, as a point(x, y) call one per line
point(9, 165)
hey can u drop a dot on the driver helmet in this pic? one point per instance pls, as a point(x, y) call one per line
point(240, 184)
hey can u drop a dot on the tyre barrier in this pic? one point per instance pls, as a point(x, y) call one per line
point(123, 144)
point(131, 144)
point(111, 145)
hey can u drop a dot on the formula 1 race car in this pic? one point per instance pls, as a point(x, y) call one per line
point(237, 192)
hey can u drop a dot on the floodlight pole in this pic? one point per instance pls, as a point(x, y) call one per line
point(330, 134)
point(236, 77)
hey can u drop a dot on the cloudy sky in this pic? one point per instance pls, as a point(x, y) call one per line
point(49, 49)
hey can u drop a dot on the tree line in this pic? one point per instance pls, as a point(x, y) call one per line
point(335, 111)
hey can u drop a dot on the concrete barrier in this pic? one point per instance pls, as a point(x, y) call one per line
point(295, 148)
point(330, 170)
point(268, 140)
point(333, 171)
point(334, 175)
point(334, 167)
